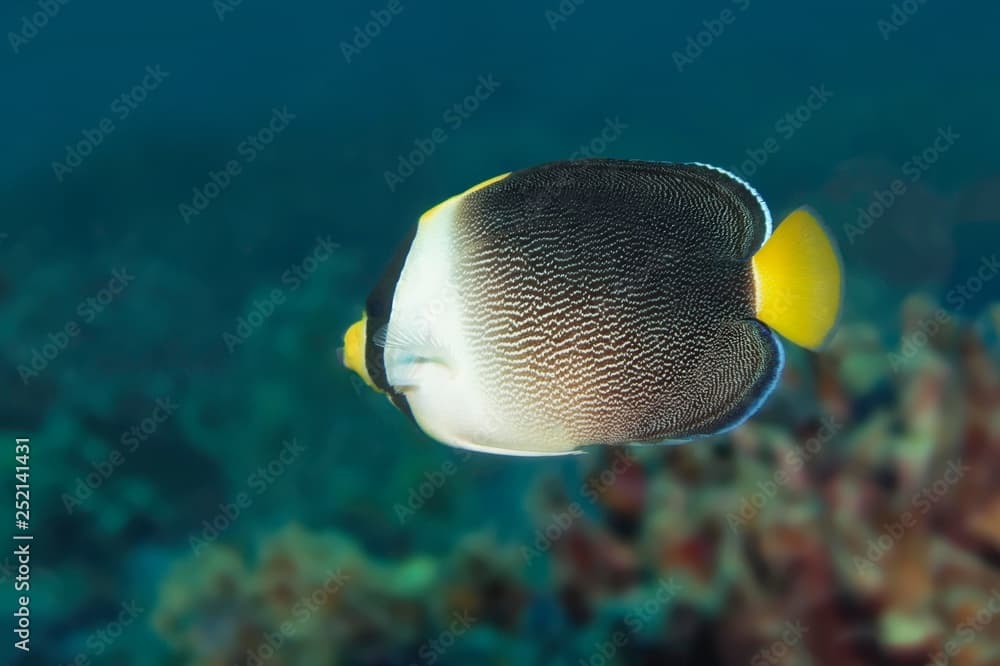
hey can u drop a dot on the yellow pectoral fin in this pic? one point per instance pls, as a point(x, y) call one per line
point(799, 280)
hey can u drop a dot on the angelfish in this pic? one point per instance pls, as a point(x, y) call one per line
point(594, 302)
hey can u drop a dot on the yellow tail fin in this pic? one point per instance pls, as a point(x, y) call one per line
point(799, 280)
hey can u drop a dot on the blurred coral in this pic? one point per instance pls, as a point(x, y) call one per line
point(864, 531)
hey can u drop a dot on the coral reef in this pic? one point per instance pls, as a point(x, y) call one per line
point(865, 530)
point(315, 598)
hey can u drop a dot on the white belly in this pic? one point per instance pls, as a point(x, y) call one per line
point(427, 360)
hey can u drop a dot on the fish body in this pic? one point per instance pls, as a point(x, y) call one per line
point(594, 302)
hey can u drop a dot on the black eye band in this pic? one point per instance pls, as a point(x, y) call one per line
point(378, 307)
